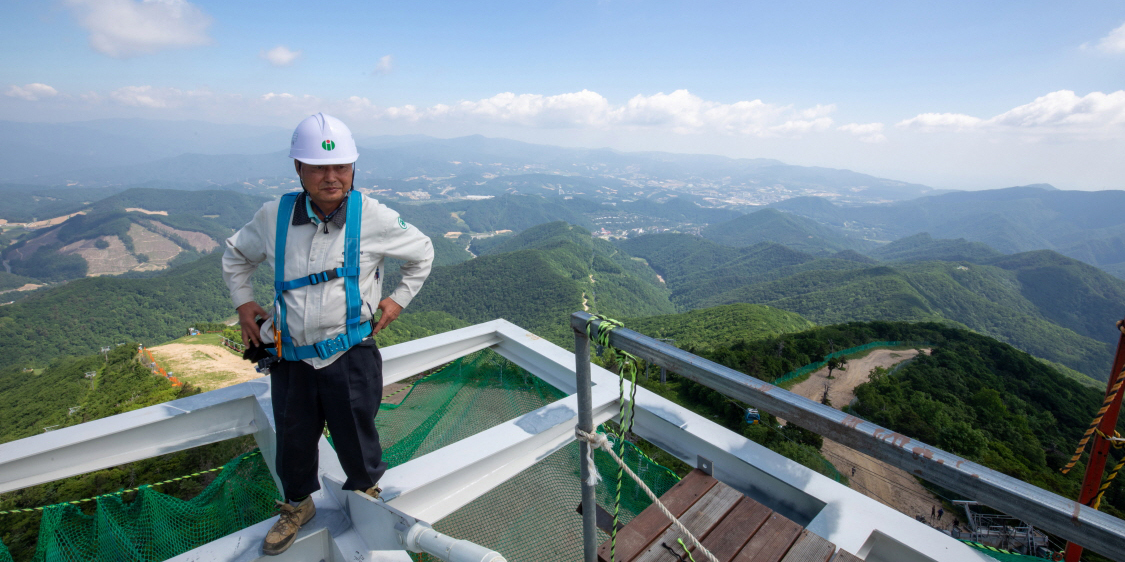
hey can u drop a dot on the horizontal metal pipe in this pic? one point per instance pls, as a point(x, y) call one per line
point(1051, 512)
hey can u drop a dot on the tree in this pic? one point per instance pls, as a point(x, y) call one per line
point(837, 363)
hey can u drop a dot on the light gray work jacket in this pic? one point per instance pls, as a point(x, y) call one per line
point(317, 312)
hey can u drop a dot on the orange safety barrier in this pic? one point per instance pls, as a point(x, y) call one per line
point(158, 369)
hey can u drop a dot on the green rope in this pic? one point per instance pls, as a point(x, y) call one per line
point(628, 364)
point(122, 492)
point(686, 551)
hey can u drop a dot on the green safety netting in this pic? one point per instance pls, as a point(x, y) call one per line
point(156, 526)
point(1003, 555)
point(531, 517)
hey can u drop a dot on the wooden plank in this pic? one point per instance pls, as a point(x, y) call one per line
point(650, 523)
point(810, 547)
point(845, 556)
point(732, 533)
point(699, 519)
point(771, 542)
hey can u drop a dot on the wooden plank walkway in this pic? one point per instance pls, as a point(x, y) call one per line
point(732, 526)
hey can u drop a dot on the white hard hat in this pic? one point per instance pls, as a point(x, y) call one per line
point(323, 139)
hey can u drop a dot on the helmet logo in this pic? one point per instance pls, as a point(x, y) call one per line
point(328, 145)
point(402, 223)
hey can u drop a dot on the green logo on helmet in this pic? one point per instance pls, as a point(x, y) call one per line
point(401, 223)
point(328, 145)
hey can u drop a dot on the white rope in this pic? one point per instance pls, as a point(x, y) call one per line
point(600, 441)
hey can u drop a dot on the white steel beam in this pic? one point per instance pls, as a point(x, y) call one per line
point(131, 436)
point(405, 360)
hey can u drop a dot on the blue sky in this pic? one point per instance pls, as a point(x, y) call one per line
point(962, 95)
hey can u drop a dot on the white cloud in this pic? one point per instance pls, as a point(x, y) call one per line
point(160, 98)
point(866, 132)
point(1061, 112)
point(680, 112)
point(930, 122)
point(1112, 43)
point(31, 92)
point(127, 28)
point(280, 55)
point(385, 65)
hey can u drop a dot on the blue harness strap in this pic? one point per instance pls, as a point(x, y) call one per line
point(355, 330)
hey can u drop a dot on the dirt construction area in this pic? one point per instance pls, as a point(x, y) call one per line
point(873, 478)
point(201, 361)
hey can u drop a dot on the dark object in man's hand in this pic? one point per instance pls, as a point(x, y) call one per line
point(255, 353)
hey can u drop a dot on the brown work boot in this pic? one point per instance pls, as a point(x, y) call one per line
point(284, 532)
point(374, 492)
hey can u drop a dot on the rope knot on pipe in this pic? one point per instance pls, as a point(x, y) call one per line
point(597, 441)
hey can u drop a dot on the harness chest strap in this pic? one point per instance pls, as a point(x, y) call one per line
point(355, 330)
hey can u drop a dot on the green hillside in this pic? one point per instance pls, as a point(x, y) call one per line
point(83, 315)
point(721, 325)
point(1044, 303)
point(30, 402)
point(537, 278)
point(922, 247)
point(983, 298)
point(696, 269)
point(793, 231)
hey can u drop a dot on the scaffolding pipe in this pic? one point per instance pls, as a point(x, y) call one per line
point(586, 423)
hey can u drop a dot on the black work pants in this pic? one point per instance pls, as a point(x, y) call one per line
point(346, 396)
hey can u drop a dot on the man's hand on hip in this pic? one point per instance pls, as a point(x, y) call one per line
point(248, 315)
point(391, 310)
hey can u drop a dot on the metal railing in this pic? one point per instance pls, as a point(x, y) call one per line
point(1055, 514)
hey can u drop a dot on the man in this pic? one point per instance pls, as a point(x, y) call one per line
point(326, 246)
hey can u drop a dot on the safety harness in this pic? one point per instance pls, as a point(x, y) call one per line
point(356, 330)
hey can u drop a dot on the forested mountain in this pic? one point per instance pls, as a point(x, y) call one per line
point(537, 278)
point(923, 247)
point(707, 328)
point(1084, 225)
point(771, 225)
point(83, 315)
point(1047, 304)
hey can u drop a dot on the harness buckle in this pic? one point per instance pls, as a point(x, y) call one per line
point(330, 347)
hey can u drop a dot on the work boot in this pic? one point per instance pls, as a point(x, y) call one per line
point(374, 492)
point(284, 532)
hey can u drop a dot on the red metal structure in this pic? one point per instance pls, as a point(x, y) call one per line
point(1099, 450)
